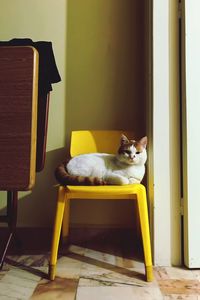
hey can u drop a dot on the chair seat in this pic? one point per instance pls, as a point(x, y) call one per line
point(104, 190)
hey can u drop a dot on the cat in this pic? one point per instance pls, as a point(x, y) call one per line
point(125, 167)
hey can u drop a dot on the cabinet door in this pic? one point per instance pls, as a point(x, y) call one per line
point(18, 117)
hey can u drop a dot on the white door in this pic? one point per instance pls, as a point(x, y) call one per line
point(191, 132)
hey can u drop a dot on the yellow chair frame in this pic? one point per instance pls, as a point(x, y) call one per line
point(91, 142)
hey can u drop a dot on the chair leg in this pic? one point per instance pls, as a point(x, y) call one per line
point(56, 231)
point(144, 223)
point(65, 224)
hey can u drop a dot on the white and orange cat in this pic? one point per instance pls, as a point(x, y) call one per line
point(125, 167)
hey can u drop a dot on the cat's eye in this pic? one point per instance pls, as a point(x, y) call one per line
point(137, 152)
point(127, 152)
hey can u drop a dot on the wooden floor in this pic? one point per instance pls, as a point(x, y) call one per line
point(105, 267)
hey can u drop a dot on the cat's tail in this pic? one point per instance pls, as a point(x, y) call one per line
point(64, 178)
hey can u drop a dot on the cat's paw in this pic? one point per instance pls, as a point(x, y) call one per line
point(133, 180)
point(123, 180)
point(116, 180)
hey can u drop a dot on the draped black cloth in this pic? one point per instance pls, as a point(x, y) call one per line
point(48, 72)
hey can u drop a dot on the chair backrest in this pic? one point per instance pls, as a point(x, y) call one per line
point(91, 141)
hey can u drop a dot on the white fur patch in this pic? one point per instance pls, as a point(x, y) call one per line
point(114, 169)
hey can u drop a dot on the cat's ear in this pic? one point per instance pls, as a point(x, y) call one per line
point(143, 141)
point(124, 140)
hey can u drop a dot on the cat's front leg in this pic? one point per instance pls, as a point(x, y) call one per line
point(116, 179)
point(133, 180)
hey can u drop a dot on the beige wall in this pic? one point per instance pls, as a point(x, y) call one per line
point(100, 49)
point(105, 75)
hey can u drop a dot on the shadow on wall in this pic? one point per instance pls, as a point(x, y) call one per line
point(36, 208)
point(106, 65)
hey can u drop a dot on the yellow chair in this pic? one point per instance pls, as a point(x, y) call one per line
point(91, 142)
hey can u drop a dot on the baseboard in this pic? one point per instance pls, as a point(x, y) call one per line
point(38, 240)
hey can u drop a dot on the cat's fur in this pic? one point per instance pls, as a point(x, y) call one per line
point(126, 167)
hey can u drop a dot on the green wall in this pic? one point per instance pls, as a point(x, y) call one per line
point(100, 51)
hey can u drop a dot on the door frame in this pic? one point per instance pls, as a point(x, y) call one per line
point(164, 133)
